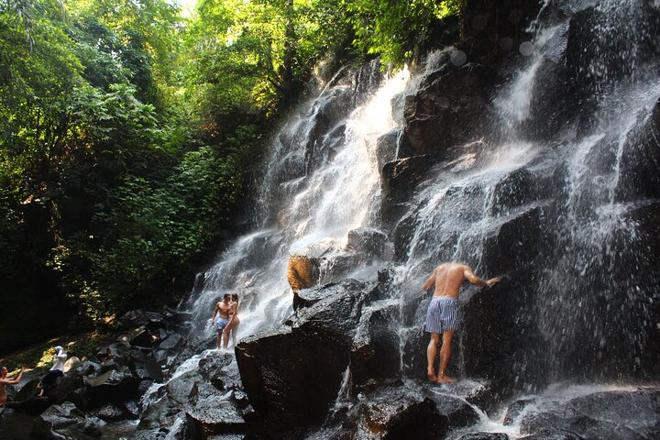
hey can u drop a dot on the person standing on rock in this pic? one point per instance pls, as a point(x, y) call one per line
point(49, 381)
point(232, 325)
point(443, 316)
point(220, 317)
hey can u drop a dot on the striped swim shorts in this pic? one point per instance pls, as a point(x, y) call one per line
point(443, 314)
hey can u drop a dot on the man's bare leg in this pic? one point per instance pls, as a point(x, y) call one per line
point(445, 355)
point(431, 353)
point(218, 340)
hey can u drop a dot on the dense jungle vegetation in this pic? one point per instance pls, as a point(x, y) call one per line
point(129, 136)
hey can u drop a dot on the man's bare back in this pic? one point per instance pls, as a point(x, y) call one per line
point(447, 279)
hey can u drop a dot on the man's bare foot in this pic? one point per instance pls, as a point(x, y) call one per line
point(431, 376)
point(445, 379)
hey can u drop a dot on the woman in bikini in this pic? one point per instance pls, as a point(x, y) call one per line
point(230, 328)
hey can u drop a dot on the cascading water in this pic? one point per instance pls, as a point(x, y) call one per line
point(322, 181)
point(543, 197)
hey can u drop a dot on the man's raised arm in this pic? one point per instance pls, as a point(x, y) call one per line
point(430, 282)
point(473, 279)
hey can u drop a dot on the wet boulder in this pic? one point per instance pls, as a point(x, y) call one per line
point(639, 175)
point(386, 147)
point(450, 109)
point(221, 370)
point(515, 240)
point(216, 415)
point(171, 342)
point(15, 425)
point(458, 411)
point(368, 241)
point(398, 181)
point(375, 348)
point(317, 343)
point(114, 386)
point(609, 414)
point(66, 421)
point(500, 336)
point(399, 413)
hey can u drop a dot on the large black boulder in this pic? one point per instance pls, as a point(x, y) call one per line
point(375, 350)
point(279, 369)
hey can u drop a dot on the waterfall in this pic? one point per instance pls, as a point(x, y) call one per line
point(321, 181)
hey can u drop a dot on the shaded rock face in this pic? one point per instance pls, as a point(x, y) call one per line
point(204, 401)
point(448, 109)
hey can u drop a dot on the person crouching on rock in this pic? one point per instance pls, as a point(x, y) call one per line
point(49, 381)
point(302, 273)
point(220, 317)
point(232, 325)
point(443, 316)
point(5, 380)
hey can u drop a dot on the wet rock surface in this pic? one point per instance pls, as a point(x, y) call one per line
point(608, 414)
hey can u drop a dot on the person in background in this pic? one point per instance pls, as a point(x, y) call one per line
point(230, 329)
point(5, 380)
point(443, 316)
point(302, 273)
point(220, 318)
point(49, 381)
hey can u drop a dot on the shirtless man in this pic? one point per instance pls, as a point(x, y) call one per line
point(4, 381)
point(220, 317)
point(443, 316)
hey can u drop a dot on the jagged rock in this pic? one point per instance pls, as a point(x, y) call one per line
point(515, 240)
point(216, 415)
point(171, 342)
point(459, 412)
point(402, 175)
point(68, 421)
point(449, 109)
point(375, 348)
point(386, 147)
point(609, 414)
point(317, 344)
point(140, 318)
point(638, 173)
point(399, 413)
point(221, 370)
point(368, 241)
point(114, 386)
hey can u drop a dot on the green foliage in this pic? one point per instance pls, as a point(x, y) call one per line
point(391, 28)
point(127, 134)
